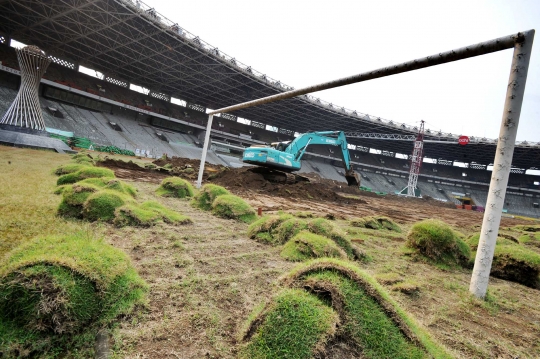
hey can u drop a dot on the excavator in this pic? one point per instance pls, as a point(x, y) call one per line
point(277, 161)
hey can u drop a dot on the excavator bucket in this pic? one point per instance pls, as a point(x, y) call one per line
point(352, 178)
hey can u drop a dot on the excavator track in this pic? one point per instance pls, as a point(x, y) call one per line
point(278, 176)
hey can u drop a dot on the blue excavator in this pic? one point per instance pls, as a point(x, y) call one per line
point(279, 159)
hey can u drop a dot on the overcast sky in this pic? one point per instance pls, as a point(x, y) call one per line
point(305, 42)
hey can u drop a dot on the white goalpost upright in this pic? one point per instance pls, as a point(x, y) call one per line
point(522, 44)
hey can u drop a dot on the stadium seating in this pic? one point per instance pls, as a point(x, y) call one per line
point(136, 130)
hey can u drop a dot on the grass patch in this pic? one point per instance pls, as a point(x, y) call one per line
point(288, 229)
point(295, 325)
point(326, 228)
point(73, 199)
point(388, 278)
point(112, 184)
point(517, 264)
point(530, 238)
point(376, 222)
point(233, 207)
point(306, 245)
point(474, 239)
point(28, 204)
point(304, 214)
point(101, 206)
point(68, 285)
point(68, 168)
point(438, 242)
point(370, 319)
point(264, 229)
point(147, 214)
point(83, 173)
point(175, 187)
point(206, 196)
point(527, 227)
point(407, 287)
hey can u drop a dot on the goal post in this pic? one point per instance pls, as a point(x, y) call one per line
point(522, 44)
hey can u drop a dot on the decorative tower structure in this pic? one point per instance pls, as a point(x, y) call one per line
point(416, 161)
point(25, 111)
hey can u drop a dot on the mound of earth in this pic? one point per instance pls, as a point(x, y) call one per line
point(244, 180)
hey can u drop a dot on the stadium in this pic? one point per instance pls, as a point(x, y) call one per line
point(126, 80)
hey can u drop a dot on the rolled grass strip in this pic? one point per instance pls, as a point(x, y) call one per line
point(111, 183)
point(69, 168)
point(101, 206)
point(83, 173)
point(376, 222)
point(306, 245)
point(175, 187)
point(369, 316)
point(326, 228)
point(264, 228)
point(233, 207)
point(295, 324)
point(73, 198)
point(435, 240)
point(206, 196)
point(146, 215)
point(532, 239)
point(517, 264)
point(474, 239)
point(288, 229)
point(63, 285)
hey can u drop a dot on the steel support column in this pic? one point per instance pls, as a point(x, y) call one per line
point(501, 166)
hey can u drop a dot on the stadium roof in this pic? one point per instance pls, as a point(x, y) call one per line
point(127, 40)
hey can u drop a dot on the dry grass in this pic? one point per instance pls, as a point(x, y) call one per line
point(28, 205)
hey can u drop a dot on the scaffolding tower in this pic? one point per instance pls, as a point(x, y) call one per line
point(416, 161)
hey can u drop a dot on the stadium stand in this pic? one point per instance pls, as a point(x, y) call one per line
point(140, 128)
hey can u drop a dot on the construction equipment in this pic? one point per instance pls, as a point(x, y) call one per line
point(281, 158)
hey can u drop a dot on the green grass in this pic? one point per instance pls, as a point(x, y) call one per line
point(73, 199)
point(293, 326)
point(101, 206)
point(438, 242)
point(288, 229)
point(474, 239)
point(530, 238)
point(306, 245)
point(206, 196)
point(28, 206)
point(356, 287)
point(233, 207)
point(147, 214)
point(517, 264)
point(376, 222)
point(83, 173)
point(366, 322)
point(68, 168)
point(264, 228)
point(326, 228)
point(133, 215)
point(71, 285)
point(175, 187)
point(111, 183)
